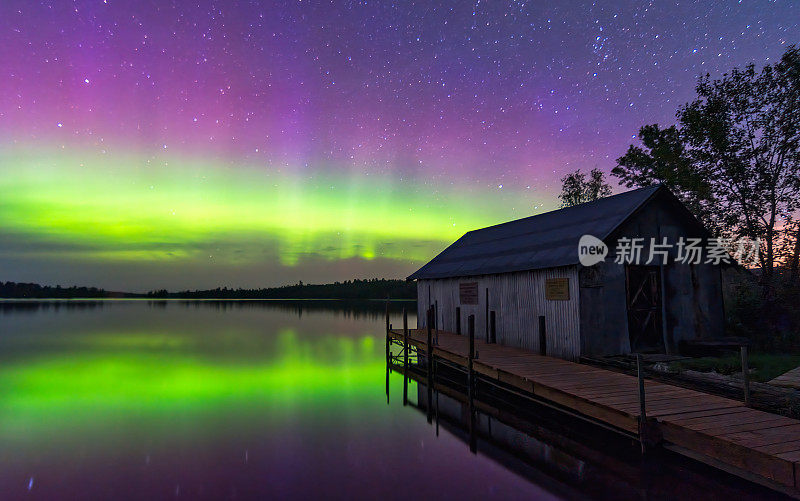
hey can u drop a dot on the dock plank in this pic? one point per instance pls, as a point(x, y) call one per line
point(791, 446)
point(754, 442)
point(789, 379)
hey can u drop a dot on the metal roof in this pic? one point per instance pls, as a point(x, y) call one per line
point(542, 241)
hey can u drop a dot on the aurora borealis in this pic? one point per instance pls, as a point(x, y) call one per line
point(203, 144)
point(194, 213)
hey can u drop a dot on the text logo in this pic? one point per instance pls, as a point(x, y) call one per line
point(591, 250)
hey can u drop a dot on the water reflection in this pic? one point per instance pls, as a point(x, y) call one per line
point(563, 454)
point(29, 306)
point(79, 371)
point(373, 310)
point(254, 400)
point(217, 400)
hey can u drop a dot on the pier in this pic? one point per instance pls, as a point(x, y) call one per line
point(759, 446)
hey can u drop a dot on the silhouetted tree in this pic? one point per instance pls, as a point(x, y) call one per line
point(734, 156)
point(576, 188)
point(664, 159)
point(36, 291)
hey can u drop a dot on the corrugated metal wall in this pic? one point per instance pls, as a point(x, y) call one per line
point(518, 300)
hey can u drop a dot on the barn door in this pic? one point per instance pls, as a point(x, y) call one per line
point(644, 308)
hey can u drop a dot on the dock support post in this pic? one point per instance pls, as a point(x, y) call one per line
point(745, 376)
point(388, 350)
point(437, 413)
point(435, 391)
point(642, 406)
point(388, 347)
point(387, 316)
point(429, 360)
point(405, 357)
point(388, 365)
point(493, 326)
point(458, 320)
point(473, 445)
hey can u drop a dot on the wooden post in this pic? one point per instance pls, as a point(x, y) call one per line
point(405, 357)
point(487, 315)
point(435, 392)
point(458, 320)
point(492, 327)
point(388, 348)
point(542, 336)
point(745, 376)
point(471, 382)
point(436, 321)
point(642, 406)
point(429, 360)
point(437, 413)
point(387, 315)
point(388, 364)
point(429, 298)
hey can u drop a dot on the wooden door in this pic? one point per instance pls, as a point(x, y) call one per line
point(644, 301)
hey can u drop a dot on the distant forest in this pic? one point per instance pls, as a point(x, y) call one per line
point(376, 288)
point(36, 291)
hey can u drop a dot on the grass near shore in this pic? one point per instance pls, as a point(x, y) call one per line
point(764, 366)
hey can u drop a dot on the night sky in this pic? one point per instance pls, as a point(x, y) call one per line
point(199, 144)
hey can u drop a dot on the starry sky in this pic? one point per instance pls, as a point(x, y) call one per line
point(199, 144)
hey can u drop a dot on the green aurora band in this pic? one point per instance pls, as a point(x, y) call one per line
point(120, 207)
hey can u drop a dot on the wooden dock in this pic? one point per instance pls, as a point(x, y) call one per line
point(724, 433)
point(789, 379)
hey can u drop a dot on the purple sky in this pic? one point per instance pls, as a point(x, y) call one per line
point(471, 96)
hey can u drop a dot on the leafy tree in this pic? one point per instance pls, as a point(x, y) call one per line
point(793, 256)
point(734, 156)
point(577, 189)
point(664, 159)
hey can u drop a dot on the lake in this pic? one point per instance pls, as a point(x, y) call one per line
point(254, 399)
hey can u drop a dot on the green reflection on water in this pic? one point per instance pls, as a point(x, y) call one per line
point(120, 382)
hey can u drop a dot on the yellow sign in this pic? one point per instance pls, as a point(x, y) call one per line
point(556, 289)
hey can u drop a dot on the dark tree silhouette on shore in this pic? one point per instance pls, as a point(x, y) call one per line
point(576, 188)
point(36, 291)
point(733, 157)
point(375, 288)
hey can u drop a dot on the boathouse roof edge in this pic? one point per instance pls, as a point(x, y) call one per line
point(545, 240)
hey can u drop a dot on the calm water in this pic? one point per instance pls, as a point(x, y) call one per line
point(238, 400)
point(220, 400)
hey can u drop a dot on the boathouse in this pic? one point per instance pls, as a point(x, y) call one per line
point(525, 284)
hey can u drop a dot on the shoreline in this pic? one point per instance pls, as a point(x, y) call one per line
point(42, 299)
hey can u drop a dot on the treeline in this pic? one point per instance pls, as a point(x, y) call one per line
point(375, 288)
point(36, 291)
